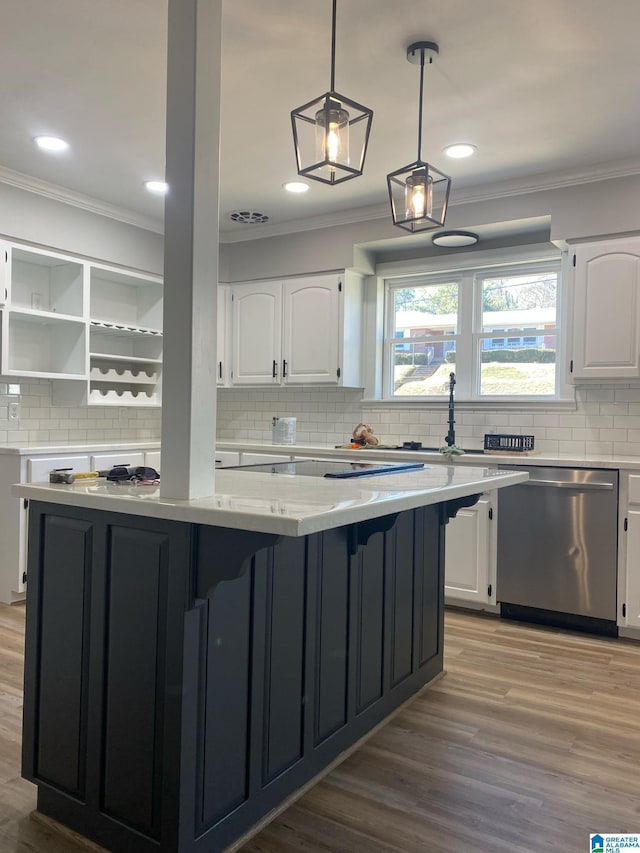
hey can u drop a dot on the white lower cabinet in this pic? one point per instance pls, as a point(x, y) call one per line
point(152, 459)
point(470, 553)
point(18, 468)
point(629, 552)
point(15, 468)
point(226, 458)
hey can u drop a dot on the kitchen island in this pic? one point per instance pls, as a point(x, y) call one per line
point(191, 665)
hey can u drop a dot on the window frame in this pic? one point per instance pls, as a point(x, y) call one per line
point(469, 335)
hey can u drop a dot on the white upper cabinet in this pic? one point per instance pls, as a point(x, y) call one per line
point(606, 310)
point(44, 330)
point(256, 332)
point(310, 330)
point(223, 336)
point(301, 331)
point(5, 277)
point(96, 328)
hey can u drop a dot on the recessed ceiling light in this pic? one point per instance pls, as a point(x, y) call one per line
point(51, 143)
point(158, 187)
point(455, 239)
point(295, 187)
point(460, 150)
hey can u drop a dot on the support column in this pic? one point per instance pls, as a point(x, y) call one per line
point(191, 248)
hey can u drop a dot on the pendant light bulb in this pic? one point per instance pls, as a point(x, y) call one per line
point(332, 134)
point(419, 196)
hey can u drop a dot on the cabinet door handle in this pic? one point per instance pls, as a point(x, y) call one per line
point(219, 370)
point(274, 369)
point(284, 369)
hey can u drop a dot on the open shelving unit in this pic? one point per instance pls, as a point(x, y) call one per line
point(94, 328)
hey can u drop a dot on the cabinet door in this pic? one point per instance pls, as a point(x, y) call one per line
point(257, 331)
point(311, 330)
point(633, 569)
point(470, 554)
point(222, 338)
point(5, 278)
point(606, 310)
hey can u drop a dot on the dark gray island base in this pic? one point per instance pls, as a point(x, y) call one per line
point(183, 680)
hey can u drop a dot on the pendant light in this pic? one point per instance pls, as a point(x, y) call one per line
point(331, 133)
point(419, 193)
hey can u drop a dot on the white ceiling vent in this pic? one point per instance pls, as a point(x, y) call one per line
point(248, 217)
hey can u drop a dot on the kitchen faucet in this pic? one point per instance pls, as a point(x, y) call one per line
point(451, 435)
point(450, 448)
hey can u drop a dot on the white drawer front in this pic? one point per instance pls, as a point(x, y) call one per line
point(39, 467)
point(634, 488)
point(104, 461)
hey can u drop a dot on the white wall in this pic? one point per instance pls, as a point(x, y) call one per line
point(28, 217)
point(574, 212)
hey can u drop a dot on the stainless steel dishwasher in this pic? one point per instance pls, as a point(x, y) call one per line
point(557, 548)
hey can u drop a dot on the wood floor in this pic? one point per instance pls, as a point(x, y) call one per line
point(530, 742)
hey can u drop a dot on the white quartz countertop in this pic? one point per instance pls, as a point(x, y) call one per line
point(282, 504)
point(36, 448)
point(471, 457)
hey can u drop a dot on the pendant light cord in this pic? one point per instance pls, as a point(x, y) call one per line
point(333, 48)
point(420, 105)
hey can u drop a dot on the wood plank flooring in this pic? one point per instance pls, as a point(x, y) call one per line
point(530, 742)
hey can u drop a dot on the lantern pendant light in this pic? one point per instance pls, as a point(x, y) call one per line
point(418, 192)
point(331, 133)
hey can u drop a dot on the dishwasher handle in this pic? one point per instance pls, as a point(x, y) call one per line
point(563, 484)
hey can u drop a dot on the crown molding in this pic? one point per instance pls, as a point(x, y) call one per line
point(461, 195)
point(67, 196)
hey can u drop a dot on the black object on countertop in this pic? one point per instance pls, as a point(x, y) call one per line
point(334, 470)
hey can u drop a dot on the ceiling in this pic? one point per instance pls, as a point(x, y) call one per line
point(546, 90)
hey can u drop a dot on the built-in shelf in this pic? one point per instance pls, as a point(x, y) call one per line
point(96, 329)
point(107, 376)
point(127, 359)
point(124, 397)
point(46, 281)
point(107, 328)
point(41, 344)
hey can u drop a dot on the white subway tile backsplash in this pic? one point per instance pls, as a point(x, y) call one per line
point(606, 420)
point(627, 395)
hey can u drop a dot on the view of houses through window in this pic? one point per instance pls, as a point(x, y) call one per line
point(496, 329)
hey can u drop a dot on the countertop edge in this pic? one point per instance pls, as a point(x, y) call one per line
point(285, 520)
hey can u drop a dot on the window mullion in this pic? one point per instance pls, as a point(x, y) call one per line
point(464, 350)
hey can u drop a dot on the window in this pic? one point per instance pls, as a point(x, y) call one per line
point(496, 328)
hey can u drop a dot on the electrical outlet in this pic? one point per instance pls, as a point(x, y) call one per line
point(14, 411)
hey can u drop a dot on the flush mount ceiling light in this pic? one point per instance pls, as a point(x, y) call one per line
point(158, 187)
point(455, 239)
point(418, 192)
point(295, 187)
point(331, 133)
point(51, 143)
point(460, 150)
